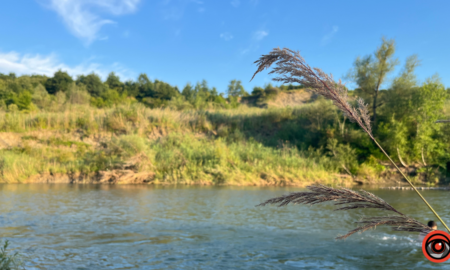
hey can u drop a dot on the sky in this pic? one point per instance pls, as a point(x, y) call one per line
point(180, 41)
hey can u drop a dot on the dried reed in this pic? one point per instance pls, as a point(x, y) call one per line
point(294, 69)
point(353, 200)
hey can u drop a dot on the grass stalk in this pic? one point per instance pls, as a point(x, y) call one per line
point(353, 200)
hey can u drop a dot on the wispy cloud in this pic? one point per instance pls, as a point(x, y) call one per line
point(259, 35)
point(235, 3)
point(81, 18)
point(256, 38)
point(47, 65)
point(327, 38)
point(226, 36)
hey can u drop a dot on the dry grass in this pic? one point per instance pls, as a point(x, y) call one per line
point(226, 147)
point(295, 70)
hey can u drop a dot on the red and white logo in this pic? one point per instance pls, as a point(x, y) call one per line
point(436, 246)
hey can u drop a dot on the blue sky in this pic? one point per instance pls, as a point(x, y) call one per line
point(180, 41)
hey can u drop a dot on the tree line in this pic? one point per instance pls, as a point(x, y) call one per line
point(29, 92)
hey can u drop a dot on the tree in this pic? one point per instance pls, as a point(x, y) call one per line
point(93, 83)
point(188, 93)
point(428, 105)
point(257, 91)
point(370, 73)
point(41, 97)
point(200, 95)
point(214, 93)
point(113, 82)
point(60, 82)
point(132, 88)
point(145, 86)
point(235, 89)
point(164, 91)
point(23, 100)
point(399, 97)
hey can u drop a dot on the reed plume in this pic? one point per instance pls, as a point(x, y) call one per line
point(293, 69)
point(348, 199)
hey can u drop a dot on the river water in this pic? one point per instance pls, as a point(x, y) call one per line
point(146, 227)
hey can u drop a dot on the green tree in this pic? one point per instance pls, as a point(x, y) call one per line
point(113, 82)
point(41, 97)
point(93, 84)
point(370, 73)
point(429, 104)
point(23, 100)
point(7, 96)
point(60, 82)
point(188, 93)
point(213, 93)
point(398, 99)
point(235, 89)
point(164, 91)
point(257, 91)
point(145, 86)
point(132, 88)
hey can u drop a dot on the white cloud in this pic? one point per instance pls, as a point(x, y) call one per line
point(27, 64)
point(226, 36)
point(235, 3)
point(259, 35)
point(81, 18)
point(254, 44)
point(329, 36)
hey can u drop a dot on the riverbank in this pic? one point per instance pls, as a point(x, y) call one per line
point(133, 144)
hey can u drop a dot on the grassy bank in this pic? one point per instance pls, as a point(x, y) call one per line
point(134, 144)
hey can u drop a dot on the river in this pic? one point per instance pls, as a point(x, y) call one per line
point(190, 227)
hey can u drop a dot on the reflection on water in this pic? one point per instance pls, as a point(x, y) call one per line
point(145, 227)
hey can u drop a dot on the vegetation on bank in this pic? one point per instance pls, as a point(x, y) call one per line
point(144, 131)
point(244, 146)
point(9, 261)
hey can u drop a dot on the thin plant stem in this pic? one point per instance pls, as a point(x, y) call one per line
point(409, 182)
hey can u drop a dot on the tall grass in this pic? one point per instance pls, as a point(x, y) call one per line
point(245, 146)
